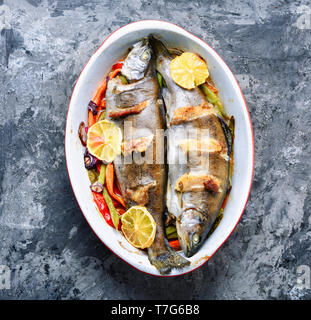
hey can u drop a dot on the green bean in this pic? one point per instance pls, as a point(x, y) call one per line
point(93, 175)
point(113, 211)
point(210, 95)
point(214, 99)
point(160, 79)
point(220, 109)
point(102, 175)
point(123, 80)
point(102, 115)
point(231, 125)
point(170, 229)
point(216, 222)
point(172, 236)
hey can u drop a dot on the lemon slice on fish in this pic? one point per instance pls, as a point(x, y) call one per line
point(138, 227)
point(104, 140)
point(189, 70)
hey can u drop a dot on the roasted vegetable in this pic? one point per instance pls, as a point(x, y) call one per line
point(102, 174)
point(89, 160)
point(210, 95)
point(175, 244)
point(170, 230)
point(211, 87)
point(82, 134)
point(117, 65)
point(101, 116)
point(160, 79)
point(97, 187)
point(123, 80)
point(114, 73)
point(93, 107)
point(93, 175)
point(102, 207)
point(109, 184)
point(113, 211)
point(100, 92)
point(213, 98)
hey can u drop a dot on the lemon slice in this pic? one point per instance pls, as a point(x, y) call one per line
point(104, 140)
point(189, 70)
point(138, 227)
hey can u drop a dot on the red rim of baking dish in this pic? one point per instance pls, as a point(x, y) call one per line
point(253, 147)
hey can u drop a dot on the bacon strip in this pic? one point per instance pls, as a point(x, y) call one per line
point(141, 194)
point(212, 184)
point(127, 111)
point(197, 182)
point(189, 113)
point(136, 145)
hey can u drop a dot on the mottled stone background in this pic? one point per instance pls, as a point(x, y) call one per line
point(44, 238)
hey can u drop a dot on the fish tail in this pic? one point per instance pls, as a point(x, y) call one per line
point(158, 47)
point(165, 260)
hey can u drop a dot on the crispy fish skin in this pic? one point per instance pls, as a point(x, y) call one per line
point(197, 208)
point(144, 182)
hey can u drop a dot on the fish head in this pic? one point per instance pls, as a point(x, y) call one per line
point(163, 57)
point(158, 47)
point(137, 61)
point(192, 229)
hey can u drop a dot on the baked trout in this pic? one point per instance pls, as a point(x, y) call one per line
point(137, 109)
point(198, 148)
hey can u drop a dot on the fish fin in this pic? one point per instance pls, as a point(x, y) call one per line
point(228, 133)
point(158, 47)
point(164, 261)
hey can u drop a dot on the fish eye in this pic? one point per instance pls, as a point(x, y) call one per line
point(145, 55)
point(195, 238)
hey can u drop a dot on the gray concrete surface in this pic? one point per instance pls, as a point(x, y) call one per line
point(44, 239)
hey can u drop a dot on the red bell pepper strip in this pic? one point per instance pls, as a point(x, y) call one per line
point(212, 87)
point(91, 118)
point(117, 65)
point(103, 105)
point(118, 206)
point(120, 211)
point(113, 211)
point(116, 189)
point(100, 93)
point(100, 108)
point(109, 184)
point(102, 207)
point(175, 244)
point(113, 73)
point(98, 165)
